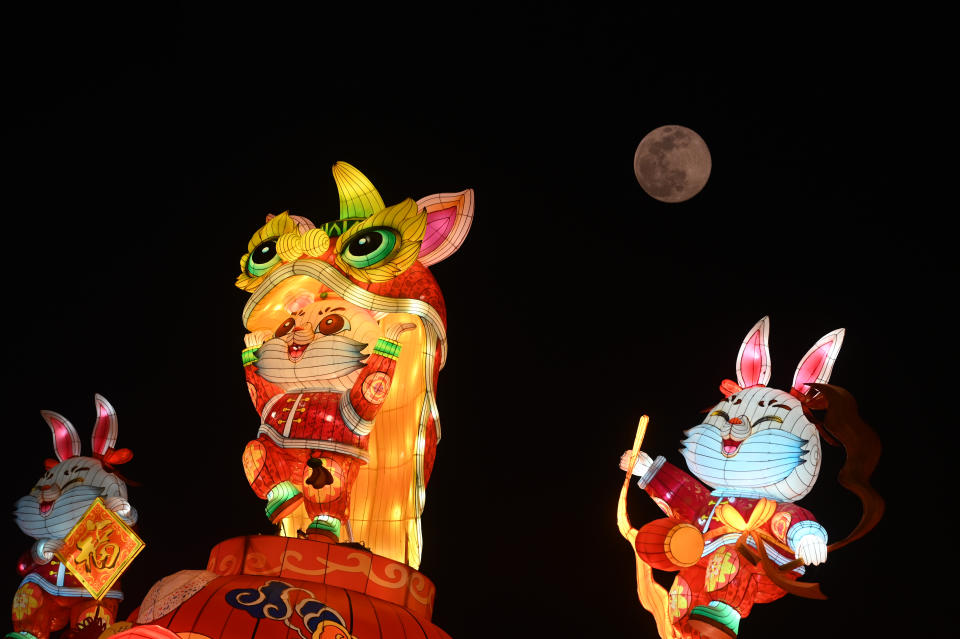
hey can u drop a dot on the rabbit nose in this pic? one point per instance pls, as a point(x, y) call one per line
point(740, 430)
point(736, 420)
point(46, 487)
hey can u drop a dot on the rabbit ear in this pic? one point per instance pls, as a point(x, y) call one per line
point(753, 360)
point(105, 430)
point(66, 442)
point(815, 367)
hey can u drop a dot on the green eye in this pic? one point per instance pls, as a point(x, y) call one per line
point(369, 247)
point(262, 258)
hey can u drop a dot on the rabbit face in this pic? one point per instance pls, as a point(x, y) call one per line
point(322, 344)
point(63, 494)
point(758, 440)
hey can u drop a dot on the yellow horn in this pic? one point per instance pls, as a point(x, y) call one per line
point(358, 197)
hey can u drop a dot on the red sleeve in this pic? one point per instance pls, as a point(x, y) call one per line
point(26, 565)
point(686, 496)
point(374, 381)
point(260, 389)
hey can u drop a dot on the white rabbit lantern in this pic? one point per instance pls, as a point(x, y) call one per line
point(50, 597)
point(737, 538)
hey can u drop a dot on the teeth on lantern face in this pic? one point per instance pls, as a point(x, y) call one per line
point(295, 351)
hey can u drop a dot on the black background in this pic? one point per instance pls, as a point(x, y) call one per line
point(144, 147)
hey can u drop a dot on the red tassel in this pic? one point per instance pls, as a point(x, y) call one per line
point(117, 457)
point(111, 458)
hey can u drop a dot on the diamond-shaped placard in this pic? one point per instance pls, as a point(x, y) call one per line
point(99, 549)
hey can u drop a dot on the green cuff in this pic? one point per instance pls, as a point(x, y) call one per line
point(326, 523)
point(249, 355)
point(720, 614)
point(387, 347)
point(280, 495)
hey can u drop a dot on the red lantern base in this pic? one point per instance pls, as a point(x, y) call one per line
point(268, 587)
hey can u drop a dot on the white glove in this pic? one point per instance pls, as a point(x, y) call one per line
point(44, 550)
point(394, 331)
point(812, 550)
point(641, 467)
point(256, 338)
point(118, 505)
point(122, 507)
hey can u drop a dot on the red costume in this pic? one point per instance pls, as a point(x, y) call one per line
point(317, 440)
point(722, 573)
point(50, 597)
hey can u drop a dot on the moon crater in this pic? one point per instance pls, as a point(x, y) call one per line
point(672, 163)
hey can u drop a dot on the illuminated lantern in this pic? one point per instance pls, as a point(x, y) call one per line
point(738, 538)
point(347, 335)
point(346, 340)
point(266, 587)
point(668, 544)
point(50, 596)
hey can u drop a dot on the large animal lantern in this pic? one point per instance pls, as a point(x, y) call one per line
point(347, 335)
point(736, 537)
point(50, 597)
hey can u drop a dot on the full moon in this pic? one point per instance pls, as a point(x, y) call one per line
point(672, 163)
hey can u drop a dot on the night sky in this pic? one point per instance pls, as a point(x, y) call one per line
point(144, 149)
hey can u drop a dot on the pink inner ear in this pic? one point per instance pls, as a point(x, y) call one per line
point(753, 359)
point(439, 224)
point(103, 438)
point(64, 439)
point(811, 367)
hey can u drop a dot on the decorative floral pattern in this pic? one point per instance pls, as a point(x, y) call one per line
point(721, 569)
point(679, 598)
point(779, 525)
point(375, 388)
point(26, 601)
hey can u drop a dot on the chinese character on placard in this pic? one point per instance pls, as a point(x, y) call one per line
point(99, 549)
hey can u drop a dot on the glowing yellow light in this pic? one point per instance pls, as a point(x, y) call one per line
point(388, 493)
point(653, 597)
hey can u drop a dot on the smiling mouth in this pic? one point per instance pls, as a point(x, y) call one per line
point(295, 351)
point(45, 507)
point(730, 447)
